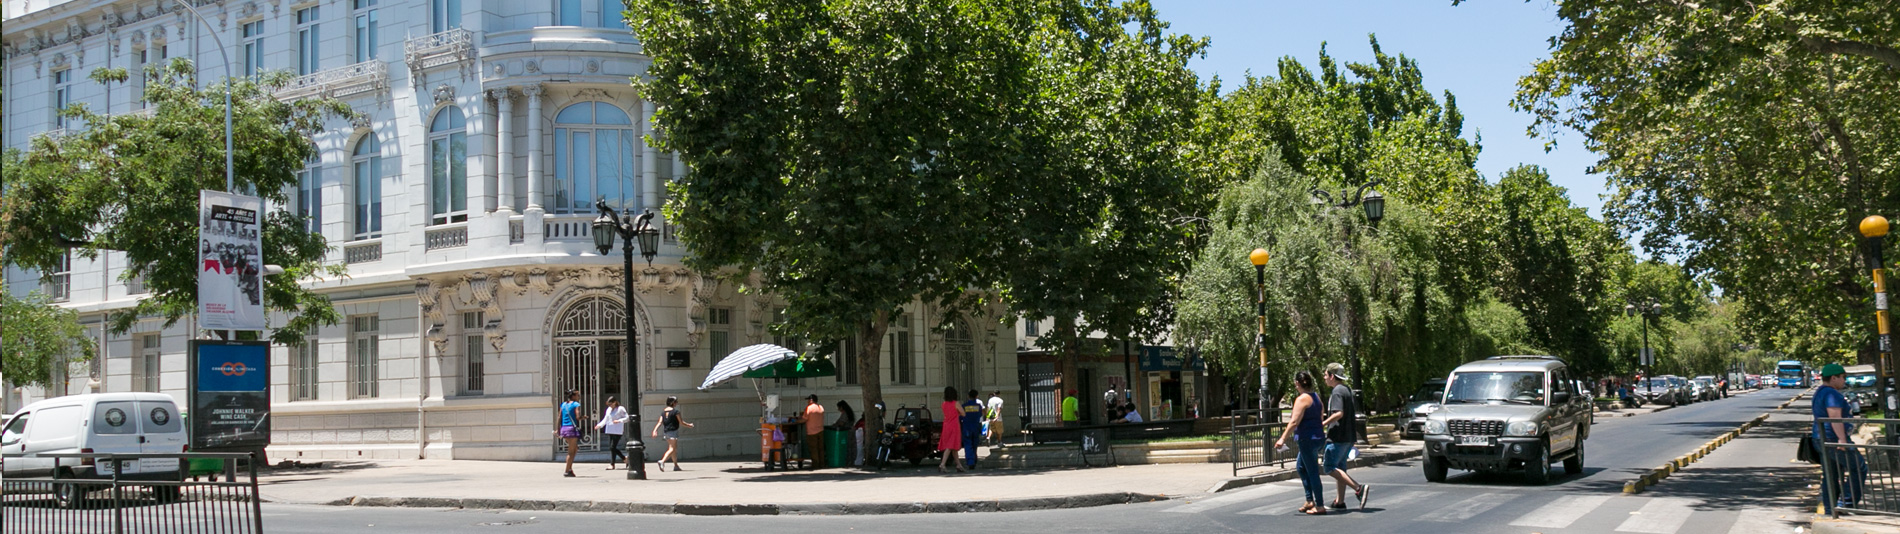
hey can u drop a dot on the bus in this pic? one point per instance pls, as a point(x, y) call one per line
point(1791, 374)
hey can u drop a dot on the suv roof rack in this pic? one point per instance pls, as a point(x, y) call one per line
point(1525, 357)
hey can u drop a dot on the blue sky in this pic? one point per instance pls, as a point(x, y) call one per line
point(1476, 50)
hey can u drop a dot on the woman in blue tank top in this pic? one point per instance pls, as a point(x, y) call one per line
point(1311, 438)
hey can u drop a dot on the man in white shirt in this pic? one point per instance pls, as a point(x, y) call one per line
point(1131, 416)
point(993, 424)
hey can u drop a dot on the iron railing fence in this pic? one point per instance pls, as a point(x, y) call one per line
point(1250, 442)
point(1861, 477)
point(116, 502)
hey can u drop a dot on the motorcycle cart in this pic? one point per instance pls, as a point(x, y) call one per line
point(911, 436)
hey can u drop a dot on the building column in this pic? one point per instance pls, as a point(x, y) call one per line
point(534, 146)
point(649, 159)
point(504, 149)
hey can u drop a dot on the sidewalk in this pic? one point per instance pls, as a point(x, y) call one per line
point(736, 487)
point(1777, 496)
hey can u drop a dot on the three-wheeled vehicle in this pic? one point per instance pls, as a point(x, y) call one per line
point(911, 435)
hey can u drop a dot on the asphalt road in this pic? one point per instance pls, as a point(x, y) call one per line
point(1617, 451)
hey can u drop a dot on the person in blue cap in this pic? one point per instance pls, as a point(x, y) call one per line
point(972, 426)
point(1850, 468)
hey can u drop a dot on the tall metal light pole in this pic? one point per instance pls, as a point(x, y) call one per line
point(627, 228)
point(1259, 259)
point(1647, 359)
point(230, 171)
point(1874, 228)
point(1374, 204)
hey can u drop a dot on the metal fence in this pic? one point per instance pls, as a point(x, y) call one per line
point(116, 503)
point(1251, 441)
point(1861, 477)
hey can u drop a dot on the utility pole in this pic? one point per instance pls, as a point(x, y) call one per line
point(1874, 228)
point(1259, 259)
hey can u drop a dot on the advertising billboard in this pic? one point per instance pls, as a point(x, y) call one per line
point(229, 395)
point(231, 261)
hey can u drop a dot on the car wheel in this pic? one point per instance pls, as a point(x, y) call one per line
point(1574, 464)
point(166, 494)
point(1435, 469)
point(69, 496)
point(1538, 471)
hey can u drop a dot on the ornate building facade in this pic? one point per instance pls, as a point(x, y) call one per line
point(460, 205)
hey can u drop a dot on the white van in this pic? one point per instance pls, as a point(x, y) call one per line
point(94, 423)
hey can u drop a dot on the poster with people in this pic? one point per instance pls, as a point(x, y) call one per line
point(231, 262)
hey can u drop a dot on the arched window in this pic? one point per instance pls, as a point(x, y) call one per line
point(448, 168)
point(593, 158)
point(366, 175)
point(310, 194)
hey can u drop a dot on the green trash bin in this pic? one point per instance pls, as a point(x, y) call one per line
point(835, 448)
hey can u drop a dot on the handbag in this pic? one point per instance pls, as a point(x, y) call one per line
point(1806, 453)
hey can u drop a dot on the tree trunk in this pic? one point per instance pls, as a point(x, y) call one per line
point(871, 380)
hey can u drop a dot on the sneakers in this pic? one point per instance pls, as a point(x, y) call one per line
point(1365, 493)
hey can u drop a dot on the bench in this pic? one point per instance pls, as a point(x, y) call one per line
point(1116, 431)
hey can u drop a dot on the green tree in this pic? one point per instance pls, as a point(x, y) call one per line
point(130, 183)
point(37, 338)
point(1746, 138)
point(1556, 266)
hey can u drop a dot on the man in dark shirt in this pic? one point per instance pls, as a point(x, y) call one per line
point(972, 427)
point(1850, 468)
point(1342, 430)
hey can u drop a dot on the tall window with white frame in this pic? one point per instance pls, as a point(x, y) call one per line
point(444, 15)
point(303, 367)
point(448, 167)
point(365, 373)
point(1032, 328)
point(612, 14)
point(139, 60)
point(253, 47)
point(719, 334)
point(62, 95)
point(594, 146)
point(847, 361)
point(146, 368)
point(568, 13)
point(366, 173)
point(310, 194)
point(57, 282)
point(902, 358)
point(474, 374)
point(364, 14)
point(309, 40)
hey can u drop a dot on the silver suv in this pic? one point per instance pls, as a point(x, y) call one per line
point(1508, 413)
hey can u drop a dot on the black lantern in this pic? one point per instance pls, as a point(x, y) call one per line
point(630, 229)
point(604, 232)
point(649, 238)
point(1375, 206)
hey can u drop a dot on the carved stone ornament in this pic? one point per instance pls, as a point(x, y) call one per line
point(444, 94)
point(500, 70)
point(432, 314)
point(138, 39)
point(533, 91)
point(481, 288)
point(592, 94)
point(534, 67)
point(60, 61)
point(361, 121)
point(593, 66)
point(249, 10)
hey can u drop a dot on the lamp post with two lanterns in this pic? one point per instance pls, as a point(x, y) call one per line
point(630, 229)
point(1374, 204)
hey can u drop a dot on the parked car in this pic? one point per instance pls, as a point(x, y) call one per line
point(1861, 393)
point(1705, 388)
point(1508, 413)
point(1423, 402)
point(1685, 390)
point(95, 423)
point(1659, 390)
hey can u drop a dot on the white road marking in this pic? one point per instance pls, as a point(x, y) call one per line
point(1663, 515)
point(1466, 509)
point(1230, 498)
point(1562, 512)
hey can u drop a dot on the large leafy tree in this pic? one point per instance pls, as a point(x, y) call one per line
point(130, 183)
point(1557, 265)
point(1744, 137)
point(37, 337)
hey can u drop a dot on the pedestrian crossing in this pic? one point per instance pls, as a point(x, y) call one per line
point(1538, 511)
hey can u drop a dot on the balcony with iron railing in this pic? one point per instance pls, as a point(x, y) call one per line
point(339, 82)
point(439, 49)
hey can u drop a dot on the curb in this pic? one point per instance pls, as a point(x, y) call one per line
point(1601, 414)
point(1656, 475)
point(1365, 460)
point(1785, 405)
point(841, 508)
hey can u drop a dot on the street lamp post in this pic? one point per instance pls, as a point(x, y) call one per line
point(1647, 359)
point(1374, 204)
point(1259, 260)
point(629, 227)
point(1874, 228)
point(230, 171)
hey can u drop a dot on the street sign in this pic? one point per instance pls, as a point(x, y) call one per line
point(1649, 356)
point(230, 255)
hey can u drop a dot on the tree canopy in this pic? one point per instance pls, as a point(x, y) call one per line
point(129, 182)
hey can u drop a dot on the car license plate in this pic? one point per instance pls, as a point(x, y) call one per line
point(1481, 441)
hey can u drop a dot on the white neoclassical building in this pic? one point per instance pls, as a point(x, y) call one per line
point(460, 207)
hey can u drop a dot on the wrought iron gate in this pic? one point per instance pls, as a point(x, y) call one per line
point(589, 353)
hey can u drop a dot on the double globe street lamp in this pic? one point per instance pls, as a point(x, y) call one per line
point(1374, 204)
point(630, 229)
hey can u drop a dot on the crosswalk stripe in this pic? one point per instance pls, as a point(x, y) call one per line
point(1468, 508)
point(1384, 502)
point(1562, 512)
point(1663, 515)
point(1231, 498)
point(1285, 507)
point(1760, 521)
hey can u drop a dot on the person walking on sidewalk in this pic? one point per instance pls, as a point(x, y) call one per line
point(1342, 431)
point(1069, 407)
point(815, 430)
point(951, 438)
point(993, 422)
point(570, 418)
point(1850, 468)
point(1306, 432)
point(613, 423)
point(669, 426)
point(972, 426)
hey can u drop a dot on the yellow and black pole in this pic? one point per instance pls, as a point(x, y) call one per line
point(1269, 410)
point(1874, 228)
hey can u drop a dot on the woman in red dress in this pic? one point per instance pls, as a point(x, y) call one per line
point(952, 437)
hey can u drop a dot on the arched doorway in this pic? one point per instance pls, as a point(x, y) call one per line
point(589, 353)
point(959, 356)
